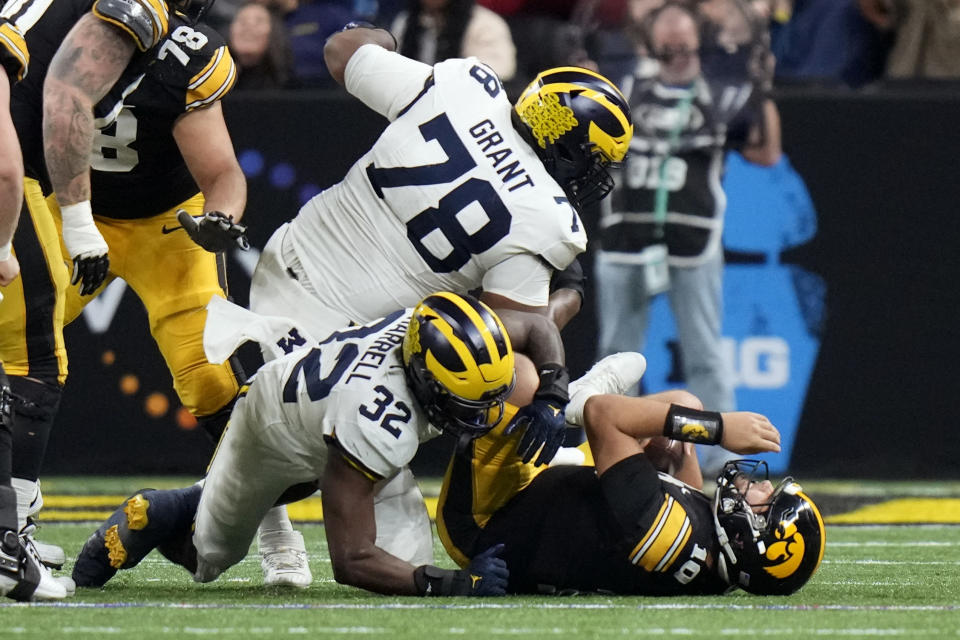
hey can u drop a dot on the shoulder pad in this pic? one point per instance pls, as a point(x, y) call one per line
point(145, 20)
point(213, 82)
point(13, 51)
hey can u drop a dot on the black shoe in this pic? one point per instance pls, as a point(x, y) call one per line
point(148, 519)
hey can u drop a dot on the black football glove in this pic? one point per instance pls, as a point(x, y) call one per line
point(486, 575)
point(214, 231)
point(90, 272)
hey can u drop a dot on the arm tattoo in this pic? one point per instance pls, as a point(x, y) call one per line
point(89, 61)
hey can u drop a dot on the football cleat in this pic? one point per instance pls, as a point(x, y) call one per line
point(615, 374)
point(50, 554)
point(143, 522)
point(23, 577)
point(283, 558)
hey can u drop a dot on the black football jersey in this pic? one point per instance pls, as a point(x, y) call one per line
point(137, 168)
point(676, 157)
point(13, 51)
point(630, 532)
point(44, 25)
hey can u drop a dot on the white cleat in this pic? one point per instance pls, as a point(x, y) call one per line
point(50, 554)
point(23, 577)
point(283, 557)
point(615, 374)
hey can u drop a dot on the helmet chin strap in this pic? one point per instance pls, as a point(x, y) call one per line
point(722, 536)
point(463, 442)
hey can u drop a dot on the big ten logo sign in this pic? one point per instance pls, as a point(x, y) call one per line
point(757, 362)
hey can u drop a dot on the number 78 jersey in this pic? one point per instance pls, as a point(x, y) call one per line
point(137, 168)
point(450, 197)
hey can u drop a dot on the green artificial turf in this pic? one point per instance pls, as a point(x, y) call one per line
point(875, 581)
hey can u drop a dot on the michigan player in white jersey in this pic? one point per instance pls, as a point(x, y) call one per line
point(456, 194)
point(352, 410)
point(462, 191)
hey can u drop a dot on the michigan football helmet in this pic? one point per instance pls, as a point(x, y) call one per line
point(771, 548)
point(459, 363)
point(579, 124)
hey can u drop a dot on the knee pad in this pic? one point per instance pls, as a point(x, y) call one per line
point(34, 408)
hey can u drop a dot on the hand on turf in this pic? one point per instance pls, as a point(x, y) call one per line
point(544, 425)
point(746, 432)
point(214, 231)
point(488, 573)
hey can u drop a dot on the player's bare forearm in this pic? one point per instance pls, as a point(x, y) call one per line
point(227, 193)
point(532, 330)
point(688, 470)
point(11, 167)
point(352, 532)
point(564, 305)
point(88, 62)
point(341, 46)
point(204, 142)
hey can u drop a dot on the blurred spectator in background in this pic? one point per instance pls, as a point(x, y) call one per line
point(661, 231)
point(927, 36)
point(826, 41)
point(259, 43)
point(309, 25)
point(434, 30)
point(220, 15)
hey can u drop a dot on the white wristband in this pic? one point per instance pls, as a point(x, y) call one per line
point(5, 251)
point(80, 234)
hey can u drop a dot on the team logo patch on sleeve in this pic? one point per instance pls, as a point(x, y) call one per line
point(664, 540)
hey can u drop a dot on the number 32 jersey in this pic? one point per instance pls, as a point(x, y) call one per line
point(450, 197)
point(349, 392)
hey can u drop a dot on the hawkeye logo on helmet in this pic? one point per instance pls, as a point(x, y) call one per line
point(787, 553)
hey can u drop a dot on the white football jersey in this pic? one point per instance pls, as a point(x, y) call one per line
point(450, 197)
point(350, 388)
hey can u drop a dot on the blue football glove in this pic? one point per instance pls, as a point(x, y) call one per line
point(544, 424)
point(488, 573)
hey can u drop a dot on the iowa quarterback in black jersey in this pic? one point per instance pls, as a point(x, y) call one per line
point(94, 64)
point(619, 526)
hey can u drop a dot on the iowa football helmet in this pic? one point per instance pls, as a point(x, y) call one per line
point(579, 124)
point(768, 549)
point(459, 363)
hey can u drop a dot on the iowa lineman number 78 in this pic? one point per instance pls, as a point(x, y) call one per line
point(121, 158)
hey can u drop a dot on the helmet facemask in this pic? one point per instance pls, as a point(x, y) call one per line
point(461, 417)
